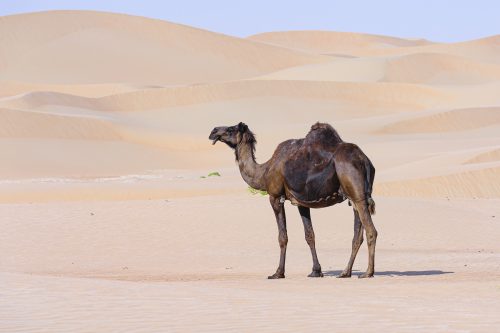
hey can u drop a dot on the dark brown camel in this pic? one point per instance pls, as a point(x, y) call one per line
point(318, 171)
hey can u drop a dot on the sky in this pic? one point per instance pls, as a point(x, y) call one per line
point(436, 20)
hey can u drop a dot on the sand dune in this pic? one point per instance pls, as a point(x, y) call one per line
point(389, 95)
point(340, 70)
point(484, 49)
point(435, 68)
point(77, 47)
point(490, 156)
point(336, 43)
point(455, 120)
point(420, 68)
point(23, 124)
point(8, 89)
point(290, 83)
point(477, 184)
point(20, 124)
point(364, 45)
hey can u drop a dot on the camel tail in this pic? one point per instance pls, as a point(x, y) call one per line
point(371, 206)
point(370, 176)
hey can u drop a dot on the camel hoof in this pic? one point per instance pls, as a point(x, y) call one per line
point(276, 276)
point(315, 274)
point(365, 275)
point(344, 275)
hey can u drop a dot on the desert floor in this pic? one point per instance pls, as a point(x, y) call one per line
point(109, 223)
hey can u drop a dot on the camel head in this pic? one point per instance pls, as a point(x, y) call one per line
point(231, 135)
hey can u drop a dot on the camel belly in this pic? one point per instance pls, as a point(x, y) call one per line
point(321, 202)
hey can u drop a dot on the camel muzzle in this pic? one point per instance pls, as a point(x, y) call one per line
point(214, 140)
point(214, 135)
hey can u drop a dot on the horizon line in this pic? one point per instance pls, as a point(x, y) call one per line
point(250, 35)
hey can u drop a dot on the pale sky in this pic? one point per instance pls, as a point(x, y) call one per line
point(437, 20)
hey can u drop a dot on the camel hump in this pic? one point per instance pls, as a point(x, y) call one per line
point(323, 134)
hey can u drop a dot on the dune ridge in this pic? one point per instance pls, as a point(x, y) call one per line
point(390, 95)
point(475, 184)
point(365, 45)
point(60, 52)
point(454, 120)
point(418, 68)
point(336, 43)
point(9, 89)
point(490, 156)
point(435, 68)
point(21, 124)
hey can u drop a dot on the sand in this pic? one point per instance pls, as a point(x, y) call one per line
point(110, 222)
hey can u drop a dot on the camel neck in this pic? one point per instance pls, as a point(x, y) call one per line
point(251, 171)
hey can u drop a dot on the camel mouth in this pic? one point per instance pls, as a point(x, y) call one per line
point(214, 141)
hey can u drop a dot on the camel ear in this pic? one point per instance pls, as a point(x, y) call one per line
point(242, 127)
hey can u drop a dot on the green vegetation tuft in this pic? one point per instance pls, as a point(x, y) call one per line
point(255, 191)
point(211, 174)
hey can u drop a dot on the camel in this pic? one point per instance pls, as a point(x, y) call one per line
point(317, 171)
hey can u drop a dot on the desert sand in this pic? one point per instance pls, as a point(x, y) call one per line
point(109, 222)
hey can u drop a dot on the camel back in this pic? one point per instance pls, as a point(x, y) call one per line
point(323, 134)
point(309, 172)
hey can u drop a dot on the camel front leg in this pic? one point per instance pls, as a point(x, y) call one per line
point(305, 213)
point(279, 211)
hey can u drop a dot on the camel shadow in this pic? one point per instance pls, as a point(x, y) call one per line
point(393, 273)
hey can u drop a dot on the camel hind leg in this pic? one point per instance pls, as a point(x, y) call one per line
point(355, 174)
point(371, 235)
point(357, 240)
